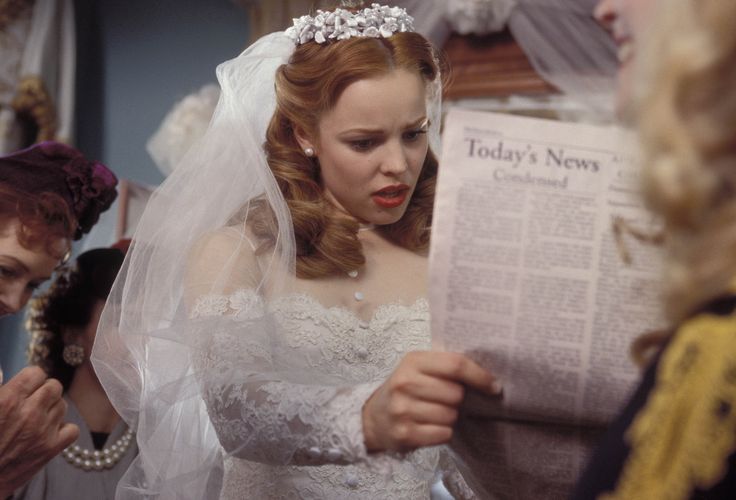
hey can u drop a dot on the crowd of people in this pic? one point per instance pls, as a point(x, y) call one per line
point(274, 342)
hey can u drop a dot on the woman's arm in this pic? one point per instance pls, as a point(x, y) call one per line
point(265, 409)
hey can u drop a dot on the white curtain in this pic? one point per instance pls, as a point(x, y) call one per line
point(567, 47)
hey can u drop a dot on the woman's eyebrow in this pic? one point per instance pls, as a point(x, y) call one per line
point(420, 122)
point(16, 262)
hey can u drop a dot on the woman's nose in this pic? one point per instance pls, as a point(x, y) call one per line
point(12, 301)
point(395, 161)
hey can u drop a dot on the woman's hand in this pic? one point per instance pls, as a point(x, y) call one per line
point(32, 428)
point(418, 404)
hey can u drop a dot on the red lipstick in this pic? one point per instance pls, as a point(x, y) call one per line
point(391, 196)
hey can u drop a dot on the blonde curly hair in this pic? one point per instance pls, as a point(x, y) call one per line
point(687, 122)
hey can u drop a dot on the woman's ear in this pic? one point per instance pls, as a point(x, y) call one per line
point(305, 142)
point(69, 335)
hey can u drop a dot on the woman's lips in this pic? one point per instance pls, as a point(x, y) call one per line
point(391, 196)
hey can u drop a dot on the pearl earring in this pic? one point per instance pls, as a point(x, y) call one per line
point(309, 152)
point(73, 354)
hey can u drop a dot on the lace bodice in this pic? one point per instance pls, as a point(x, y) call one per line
point(292, 422)
point(334, 340)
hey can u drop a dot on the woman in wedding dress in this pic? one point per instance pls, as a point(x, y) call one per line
point(269, 334)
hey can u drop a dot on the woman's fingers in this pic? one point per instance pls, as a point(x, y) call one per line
point(411, 435)
point(429, 388)
point(47, 395)
point(458, 368)
point(68, 433)
point(418, 404)
point(433, 413)
point(56, 413)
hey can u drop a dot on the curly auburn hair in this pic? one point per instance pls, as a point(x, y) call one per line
point(308, 86)
point(45, 218)
point(68, 303)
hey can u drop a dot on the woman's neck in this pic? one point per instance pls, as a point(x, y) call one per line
point(89, 397)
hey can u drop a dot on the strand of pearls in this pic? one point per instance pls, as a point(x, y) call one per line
point(354, 273)
point(105, 458)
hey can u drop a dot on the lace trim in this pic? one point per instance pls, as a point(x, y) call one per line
point(246, 303)
point(681, 439)
point(332, 340)
point(242, 304)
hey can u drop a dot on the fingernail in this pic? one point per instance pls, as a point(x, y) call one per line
point(497, 387)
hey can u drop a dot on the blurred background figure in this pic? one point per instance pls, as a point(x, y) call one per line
point(676, 439)
point(50, 194)
point(63, 322)
point(627, 22)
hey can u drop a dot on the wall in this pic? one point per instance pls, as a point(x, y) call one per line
point(135, 59)
point(153, 54)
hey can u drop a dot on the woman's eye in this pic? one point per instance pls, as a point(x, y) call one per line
point(413, 135)
point(362, 144)
point(6, 272)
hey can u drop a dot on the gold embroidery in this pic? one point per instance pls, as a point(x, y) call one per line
point(32, 101)
point(682, 437)
point(10, 10)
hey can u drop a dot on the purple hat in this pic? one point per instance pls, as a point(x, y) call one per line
point(88, 187)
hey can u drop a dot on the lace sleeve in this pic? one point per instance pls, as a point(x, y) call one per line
point(265, 413)
point(262, 406)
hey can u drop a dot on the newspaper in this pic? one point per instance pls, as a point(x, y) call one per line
point(541, 269)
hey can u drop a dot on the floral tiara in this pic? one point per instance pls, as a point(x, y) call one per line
point(372, 22)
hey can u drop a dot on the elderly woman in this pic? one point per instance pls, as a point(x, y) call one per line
point(50, 194)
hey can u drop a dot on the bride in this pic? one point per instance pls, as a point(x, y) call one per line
point(269, 334)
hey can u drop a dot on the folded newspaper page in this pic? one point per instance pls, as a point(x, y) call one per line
point(543, 267)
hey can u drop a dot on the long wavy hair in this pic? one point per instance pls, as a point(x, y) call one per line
point(687, 119)
point(44, 219)
point(308, 86)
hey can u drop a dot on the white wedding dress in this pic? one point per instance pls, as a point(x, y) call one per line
point(241, 379)
point(304, 440)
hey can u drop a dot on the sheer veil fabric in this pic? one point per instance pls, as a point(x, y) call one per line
point(160, 353)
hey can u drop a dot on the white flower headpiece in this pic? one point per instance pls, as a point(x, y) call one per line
point(373, 22)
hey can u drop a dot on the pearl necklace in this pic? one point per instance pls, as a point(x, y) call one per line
point(354, 273)
point(357, 295)
point(106, 458)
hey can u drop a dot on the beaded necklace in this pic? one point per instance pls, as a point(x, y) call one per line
point(97, 460)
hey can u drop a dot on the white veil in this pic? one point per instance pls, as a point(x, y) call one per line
point(142, 350)
point(150, 354)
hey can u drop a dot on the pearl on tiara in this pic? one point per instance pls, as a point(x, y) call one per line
point(372, 22)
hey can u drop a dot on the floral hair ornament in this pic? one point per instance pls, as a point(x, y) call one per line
point(88, 187)
point(375, 21)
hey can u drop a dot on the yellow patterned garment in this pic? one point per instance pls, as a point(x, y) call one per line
point(681, 439)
